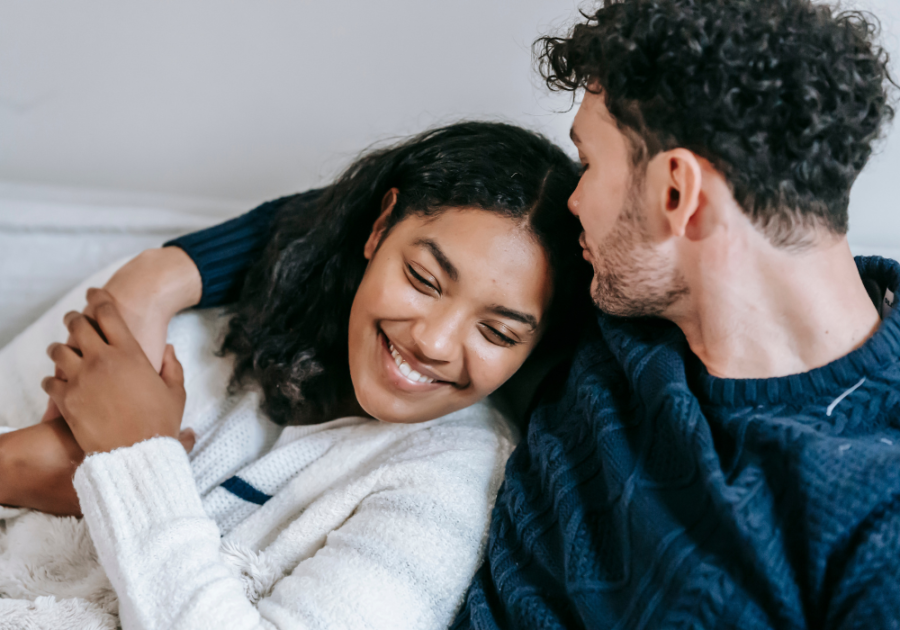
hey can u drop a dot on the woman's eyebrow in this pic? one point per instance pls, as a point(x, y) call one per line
point(525, 318)
point(439, 255)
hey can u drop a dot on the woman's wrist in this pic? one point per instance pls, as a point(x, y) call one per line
point(164, 280)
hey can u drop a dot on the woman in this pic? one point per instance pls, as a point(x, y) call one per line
point(383, 312)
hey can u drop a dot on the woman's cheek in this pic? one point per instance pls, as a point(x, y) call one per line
point(395, 298)
point(487, 367)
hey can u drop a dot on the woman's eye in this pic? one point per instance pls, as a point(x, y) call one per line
point(496, 337)
point(421, 280)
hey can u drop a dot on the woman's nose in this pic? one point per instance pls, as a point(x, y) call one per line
point(438, 337)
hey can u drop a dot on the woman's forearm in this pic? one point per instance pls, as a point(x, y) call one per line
point(36, 468)
point(149, 290)
point(164, 279)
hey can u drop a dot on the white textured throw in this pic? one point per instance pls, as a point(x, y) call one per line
point(369, 525)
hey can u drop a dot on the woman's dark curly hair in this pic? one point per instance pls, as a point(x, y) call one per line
point(784, 97)
point(290, 326)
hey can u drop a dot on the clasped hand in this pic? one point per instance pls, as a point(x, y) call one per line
point(105, 387)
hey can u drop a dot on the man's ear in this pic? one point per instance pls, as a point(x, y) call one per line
point(682, 183)
point(387, 206)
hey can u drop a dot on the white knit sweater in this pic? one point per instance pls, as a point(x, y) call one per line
point(349, 524)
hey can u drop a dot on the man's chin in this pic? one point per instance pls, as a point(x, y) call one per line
point(612, 300)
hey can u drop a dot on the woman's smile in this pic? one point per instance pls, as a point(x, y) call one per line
point(404, 372)
point(448, 308)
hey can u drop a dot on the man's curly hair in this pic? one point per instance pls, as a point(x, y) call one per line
point(784, 97)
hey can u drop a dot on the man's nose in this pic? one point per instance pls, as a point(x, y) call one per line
point(575, 200)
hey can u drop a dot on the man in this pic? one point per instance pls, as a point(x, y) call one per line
point(730, 458)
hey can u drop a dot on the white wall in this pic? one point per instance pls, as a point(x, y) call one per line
point(242, 101)
point(247, 100)
point(875, 203)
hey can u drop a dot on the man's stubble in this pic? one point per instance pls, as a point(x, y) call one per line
point(631, 277)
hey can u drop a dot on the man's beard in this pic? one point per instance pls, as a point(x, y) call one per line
point(631, 278)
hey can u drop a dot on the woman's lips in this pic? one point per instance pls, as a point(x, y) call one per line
point(395, 372)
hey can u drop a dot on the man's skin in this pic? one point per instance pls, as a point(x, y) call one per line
point(37, 463)
point(748, 309)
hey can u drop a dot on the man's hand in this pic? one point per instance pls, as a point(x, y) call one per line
point(148, 291)
point(108, 391)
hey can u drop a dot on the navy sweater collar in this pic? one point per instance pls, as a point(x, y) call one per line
point(879, 351)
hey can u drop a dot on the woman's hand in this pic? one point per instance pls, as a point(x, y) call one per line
point(148, 291)
point(108, 391)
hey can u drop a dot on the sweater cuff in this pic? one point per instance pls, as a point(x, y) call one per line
point(126, 492)
point(224, 253)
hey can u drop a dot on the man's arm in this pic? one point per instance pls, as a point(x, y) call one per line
point(866, 588)
point(223, 253)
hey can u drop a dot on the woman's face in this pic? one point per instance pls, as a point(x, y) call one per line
point(448, 309)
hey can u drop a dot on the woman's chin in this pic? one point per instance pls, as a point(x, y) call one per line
point(389, 409)
point(386, 407)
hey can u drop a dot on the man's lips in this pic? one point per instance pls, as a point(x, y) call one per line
point(582, 240)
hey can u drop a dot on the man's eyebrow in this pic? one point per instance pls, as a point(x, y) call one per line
point(525, 318)
point(441, 258)
point(574, 136)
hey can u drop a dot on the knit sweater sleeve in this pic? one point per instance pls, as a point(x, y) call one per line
point(402, 560)
point(866, 592)
point(224, 252)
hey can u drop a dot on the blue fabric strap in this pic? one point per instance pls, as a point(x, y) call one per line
point(240, 488)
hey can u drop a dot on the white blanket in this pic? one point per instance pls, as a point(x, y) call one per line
point(49, 574)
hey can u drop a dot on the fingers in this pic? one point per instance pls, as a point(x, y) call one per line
point(67, 360)
point(188, 438)
point(172, 373)
point(110, 320)
point(52, 412)
point(55, 388)
point(84, 332)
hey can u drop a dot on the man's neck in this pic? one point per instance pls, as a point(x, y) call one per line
point(754, 314)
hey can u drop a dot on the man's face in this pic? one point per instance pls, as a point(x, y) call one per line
point(633, 275)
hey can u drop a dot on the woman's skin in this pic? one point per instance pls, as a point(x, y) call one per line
point(460, 297)
point(37, 463)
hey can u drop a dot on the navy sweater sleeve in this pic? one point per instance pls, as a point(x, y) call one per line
point(224, 253)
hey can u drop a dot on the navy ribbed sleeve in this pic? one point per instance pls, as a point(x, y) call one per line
point(224, 253)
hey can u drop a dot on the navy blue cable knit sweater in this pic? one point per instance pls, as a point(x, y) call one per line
point(653, 495)
point(650, 494)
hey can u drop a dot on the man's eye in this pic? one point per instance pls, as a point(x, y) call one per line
point(418, 278)
point(496, 337)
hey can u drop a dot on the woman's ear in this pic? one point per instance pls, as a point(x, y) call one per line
point(387, 206)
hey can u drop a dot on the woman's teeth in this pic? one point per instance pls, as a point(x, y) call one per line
point(407, 371)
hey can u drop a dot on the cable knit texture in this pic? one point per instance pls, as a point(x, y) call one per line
point(653, 495)
point(361, 524)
